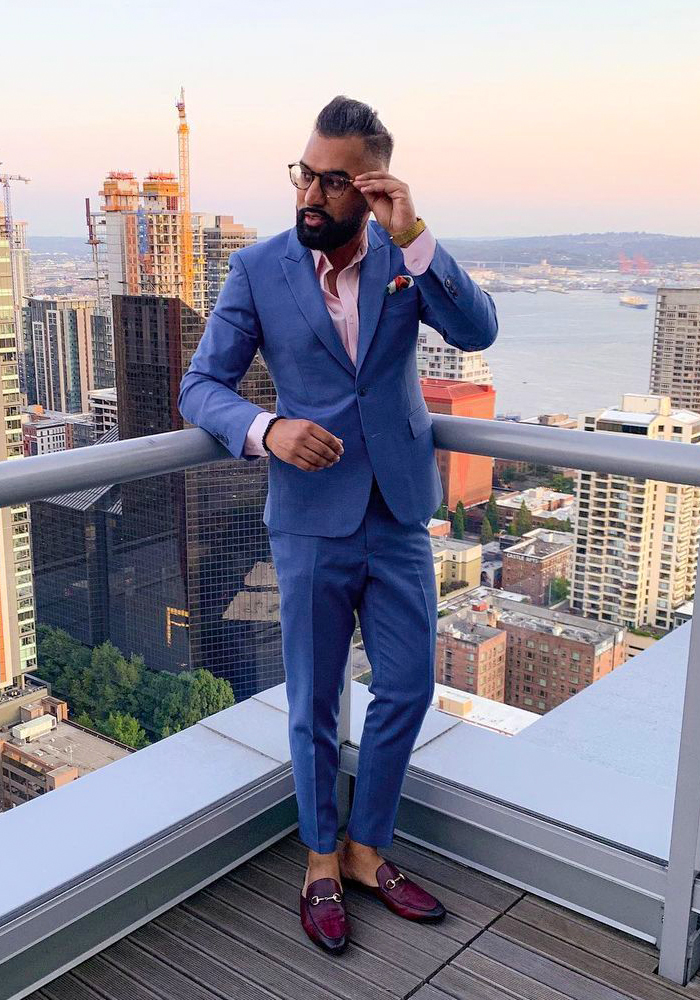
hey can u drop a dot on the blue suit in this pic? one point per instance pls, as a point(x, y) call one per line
point(352, 536)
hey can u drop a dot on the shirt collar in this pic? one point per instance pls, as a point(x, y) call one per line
point(323, 265)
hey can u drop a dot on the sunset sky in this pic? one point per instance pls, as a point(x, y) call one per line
point(509, 118)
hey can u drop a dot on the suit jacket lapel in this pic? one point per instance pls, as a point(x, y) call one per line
point(298, 267)
point(374, 277)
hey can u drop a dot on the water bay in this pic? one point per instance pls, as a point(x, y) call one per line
point(568, 352)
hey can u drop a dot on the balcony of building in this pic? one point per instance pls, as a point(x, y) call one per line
point(566, 854)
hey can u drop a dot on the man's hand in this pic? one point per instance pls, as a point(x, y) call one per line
point(389, 198)
point(304, 444)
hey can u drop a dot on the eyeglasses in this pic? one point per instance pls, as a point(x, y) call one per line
point(332, 184)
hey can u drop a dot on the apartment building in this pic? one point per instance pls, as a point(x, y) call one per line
point(675, 355)
point(17, 622)
point(636, 540)
point(552, 655)
point(472, 657)
point(438, 359)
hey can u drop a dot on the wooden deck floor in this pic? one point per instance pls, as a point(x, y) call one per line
point(496, 942)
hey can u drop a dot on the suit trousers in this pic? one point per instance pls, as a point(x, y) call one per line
point(385, 571)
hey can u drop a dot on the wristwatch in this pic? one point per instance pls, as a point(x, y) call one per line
point(407, 236)
point(267, 431)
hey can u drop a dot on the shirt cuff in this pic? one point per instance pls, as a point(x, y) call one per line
point(253, 440)
point(417, 256)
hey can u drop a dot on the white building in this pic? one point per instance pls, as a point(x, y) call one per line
point(635, 540)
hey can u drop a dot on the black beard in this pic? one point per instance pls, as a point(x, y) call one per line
point(331, 234)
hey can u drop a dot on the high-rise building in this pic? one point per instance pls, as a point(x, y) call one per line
point(66, 346)
point(143, 241)
point(103, 407)
point(17, 624)
point(46, 431)
point(464, 477)
point(22, 283)
point(217, 237)
point(195, 554)
point(675, 357)
point(636, 540)
point(76, 545)
point(437, 359)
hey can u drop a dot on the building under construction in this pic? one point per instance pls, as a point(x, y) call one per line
point(153, 244)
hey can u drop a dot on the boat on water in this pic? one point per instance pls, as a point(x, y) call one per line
point(633, 301)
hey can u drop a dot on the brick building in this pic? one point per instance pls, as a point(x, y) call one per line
point(531, 565)
point(551, 655)
point(471, 656)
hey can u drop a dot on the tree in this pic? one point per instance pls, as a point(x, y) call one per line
point(486, 531)
point(102, 682)
point(492, 513)
point(124, 728)
point(441, 513)
point(458, 522)
point(523, 520)
point(559, 589)
point(562, 483)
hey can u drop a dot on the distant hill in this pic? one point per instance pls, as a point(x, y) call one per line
point(572, 249)
point(578, 249)
point(74, 246)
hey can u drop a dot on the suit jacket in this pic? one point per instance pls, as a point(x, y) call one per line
point(272, 301)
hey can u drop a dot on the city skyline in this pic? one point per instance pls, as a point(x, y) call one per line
point(566, 120)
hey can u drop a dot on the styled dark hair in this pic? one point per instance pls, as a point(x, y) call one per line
point(343, 116)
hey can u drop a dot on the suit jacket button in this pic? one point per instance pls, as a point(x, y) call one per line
point(448, 283)
point(362, 392)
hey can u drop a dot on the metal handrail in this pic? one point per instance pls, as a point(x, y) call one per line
point(39, 476)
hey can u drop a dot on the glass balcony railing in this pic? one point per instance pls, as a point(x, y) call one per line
point(563, 706)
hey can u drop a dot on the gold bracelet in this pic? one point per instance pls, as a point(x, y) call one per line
point(407, 236)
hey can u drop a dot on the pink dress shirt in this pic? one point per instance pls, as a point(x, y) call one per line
point(343, 308)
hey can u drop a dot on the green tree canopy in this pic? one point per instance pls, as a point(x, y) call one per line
point(492, 513)
point(486, 531)
point(523, 520)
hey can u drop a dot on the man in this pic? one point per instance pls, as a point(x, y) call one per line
point(333, 305)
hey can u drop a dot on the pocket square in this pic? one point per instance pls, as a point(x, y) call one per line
point(398, 283)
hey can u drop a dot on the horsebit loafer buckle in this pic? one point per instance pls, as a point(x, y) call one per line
point(315, 900)
point(391, 882)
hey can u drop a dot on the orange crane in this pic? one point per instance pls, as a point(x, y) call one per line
point(9, 229)
point(183, 148)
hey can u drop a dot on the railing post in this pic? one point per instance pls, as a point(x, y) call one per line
point(343, 784)
point(678, 960)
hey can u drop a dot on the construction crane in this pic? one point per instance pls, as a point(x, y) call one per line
point(13, 244)
point(94, 242)
point(183, 148)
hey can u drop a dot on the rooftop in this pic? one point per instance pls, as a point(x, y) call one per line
point(241, 937)
point(469, 631)
point(442, 542)
point(557, 622)
point(71, 744)
point(495, 715)
point(543, 543)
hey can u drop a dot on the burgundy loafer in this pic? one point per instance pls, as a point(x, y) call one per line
point(401, 894)
point(323, 914)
